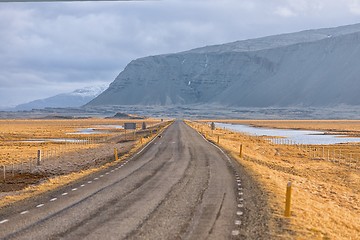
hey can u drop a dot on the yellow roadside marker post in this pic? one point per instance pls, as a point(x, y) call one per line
point(288, 200)
point(116, 154)
point(240, 153)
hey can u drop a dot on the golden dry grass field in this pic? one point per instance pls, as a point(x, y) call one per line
point(63, 162)
point(326, 191)
point(21, 139)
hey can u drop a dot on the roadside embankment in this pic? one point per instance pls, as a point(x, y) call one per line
point(325, 197)
point(72, 166)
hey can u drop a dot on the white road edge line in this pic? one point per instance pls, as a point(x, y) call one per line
point(146, 146)
point(239, 213)
point(4, 221)
point(227, 157)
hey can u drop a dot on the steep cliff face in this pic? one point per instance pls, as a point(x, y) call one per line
point(317, 68)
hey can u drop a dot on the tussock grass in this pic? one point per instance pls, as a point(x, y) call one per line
point(325, 200)
point(59, 181)
point(13, 133)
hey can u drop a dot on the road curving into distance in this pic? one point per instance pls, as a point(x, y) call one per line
point(179, 187)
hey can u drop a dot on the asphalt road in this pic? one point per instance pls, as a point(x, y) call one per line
point(179, 187)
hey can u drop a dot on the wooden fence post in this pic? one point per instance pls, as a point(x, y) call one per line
point(4, 168)
point(38, 162)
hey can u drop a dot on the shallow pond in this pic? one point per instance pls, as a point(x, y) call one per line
point(98, 129)
point(56, 140)
point(295, 136)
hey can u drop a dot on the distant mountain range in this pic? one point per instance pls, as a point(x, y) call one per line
point(308, 68)
point(76, 98)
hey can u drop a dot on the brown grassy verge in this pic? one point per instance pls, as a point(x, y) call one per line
point(325, 200)
point(58, 181)
point(15, 146)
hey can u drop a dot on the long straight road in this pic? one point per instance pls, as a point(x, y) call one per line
point(178, 187)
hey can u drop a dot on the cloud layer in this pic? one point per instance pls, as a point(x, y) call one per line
point(49, 48)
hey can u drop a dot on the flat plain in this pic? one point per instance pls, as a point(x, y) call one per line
point(20, 139)
point(325, 178)
point(70, 149)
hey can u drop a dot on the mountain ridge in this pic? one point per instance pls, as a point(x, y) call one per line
point(319, 72)
point(75, 98)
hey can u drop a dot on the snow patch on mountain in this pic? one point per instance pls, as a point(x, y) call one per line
point(76, 98)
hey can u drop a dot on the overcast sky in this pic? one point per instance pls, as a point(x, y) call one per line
point(51, 48)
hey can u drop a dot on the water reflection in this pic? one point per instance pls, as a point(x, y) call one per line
point(295, 136)
point(101, 129)
point(55, 140)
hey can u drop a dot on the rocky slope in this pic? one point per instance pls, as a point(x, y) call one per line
point(309, 68)
point(76, 98)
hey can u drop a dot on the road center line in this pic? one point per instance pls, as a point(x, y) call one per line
point(74, 189)
point(64, 194)
point(4, 221)
point(53, 199)
point(24, 212)
point(40, 205)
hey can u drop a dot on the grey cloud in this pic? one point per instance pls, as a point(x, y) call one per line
point(56, 47)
